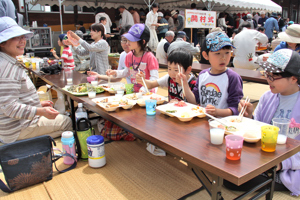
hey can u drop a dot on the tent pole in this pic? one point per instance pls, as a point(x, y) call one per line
point(60, 15)
point(26, 13)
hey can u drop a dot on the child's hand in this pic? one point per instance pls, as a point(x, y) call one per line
point(249, 109)
point(110, 72)
point(180, 77)
point(139, 77)
point(210, 109)
point(92, 73)
point(53, 52)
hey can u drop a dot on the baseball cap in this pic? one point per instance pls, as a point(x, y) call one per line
point(10, 29)
point(63, 37)
point(138, 32)
point(182, 33)
point(160, 14)
point(283, 60)
point(217, 40)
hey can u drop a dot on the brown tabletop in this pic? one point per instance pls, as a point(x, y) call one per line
point(188, 140)
point(246, 74)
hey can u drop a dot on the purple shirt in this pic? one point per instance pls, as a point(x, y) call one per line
point(224, 90)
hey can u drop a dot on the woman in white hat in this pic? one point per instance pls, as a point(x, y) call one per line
point(161, 31)
point(290, 38)
point(151, 22)
point(22, 115)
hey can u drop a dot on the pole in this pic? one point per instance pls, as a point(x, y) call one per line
point(60, 14)
point(26, 13)
point(192, 35)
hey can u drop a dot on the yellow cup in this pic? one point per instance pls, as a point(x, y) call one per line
point(269, 136)
point(27, 64)
point(33, 66)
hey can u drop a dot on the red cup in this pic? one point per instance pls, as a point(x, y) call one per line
point(90, 79)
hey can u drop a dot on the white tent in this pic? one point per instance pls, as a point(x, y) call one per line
point(231, 6)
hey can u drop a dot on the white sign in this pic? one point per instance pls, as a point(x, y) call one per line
point(200, 19)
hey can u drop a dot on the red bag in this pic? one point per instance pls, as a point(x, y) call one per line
point(113, 132)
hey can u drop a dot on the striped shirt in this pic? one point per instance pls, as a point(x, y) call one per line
point(19, 99)
point(98, 54)
point(67, 56)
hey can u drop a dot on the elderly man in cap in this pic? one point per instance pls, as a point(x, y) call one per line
point(180, 42)
point(270, 25)
point(179, 26)
point(135, 15)
point(127, 18)
point(161, 30)
point(163, 46)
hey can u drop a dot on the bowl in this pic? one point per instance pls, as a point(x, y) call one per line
point(110, 109)
point(201, 115)
point(141, 102)
point(185, 119)
point(252, 136)
point(185, 116)
point(126, 107)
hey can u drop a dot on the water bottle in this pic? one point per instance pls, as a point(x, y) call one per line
point(81, 113)
point(68, 145)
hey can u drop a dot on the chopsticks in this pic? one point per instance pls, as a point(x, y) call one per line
point(240, 117)
point(109, 67)
point(216, 119)
point(144, 82)
point(179, 69)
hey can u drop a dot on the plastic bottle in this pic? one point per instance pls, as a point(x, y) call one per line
point(60, 103)
point(81, 113)
point(96, 151)
point(68, 145)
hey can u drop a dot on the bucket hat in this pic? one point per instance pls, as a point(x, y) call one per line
point(173, 12)
point(10, 29)
point(291, 34)
point(274, 14)
point(138, 32)
point(283, 60)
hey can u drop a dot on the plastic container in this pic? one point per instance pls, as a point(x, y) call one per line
point(81, 113)
point(68, 145)
point(60, 103)
point(96, 151)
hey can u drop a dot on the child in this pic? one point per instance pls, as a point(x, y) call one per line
point(121, 64)
point(218, 88)
point(67, 55)
point(177, 58)
point(98, 50)
point(22, 114)
point(282, 101)
point(140, 58)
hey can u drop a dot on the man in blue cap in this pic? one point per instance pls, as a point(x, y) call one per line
point(180, 42)
point(270, 24)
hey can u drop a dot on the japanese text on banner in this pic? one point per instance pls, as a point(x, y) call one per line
point(200, 19)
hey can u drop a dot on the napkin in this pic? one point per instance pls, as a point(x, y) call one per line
point(155, 150)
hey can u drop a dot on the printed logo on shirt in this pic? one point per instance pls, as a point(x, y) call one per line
point(210, 94)
point(294, 129)
point(133, 70)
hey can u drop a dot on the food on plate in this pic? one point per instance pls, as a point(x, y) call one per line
point(171, 111)
point(124, 102)
point(185, 115)
point(199, 109)
point(84, 88)
point(141, 101)
point(235, 119)
point(180, 104)
point(227, 128)
point(111, 105)
point(104, 100)
point(173, 101)
point(155, 98)
point(105, 86)
point(148, 93)
point(132, 97)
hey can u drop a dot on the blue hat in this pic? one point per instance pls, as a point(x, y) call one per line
point(135, 32)
point(283, 60)
point(63, 37)
point(217, 40)
point(291, 22)
point(10, 29)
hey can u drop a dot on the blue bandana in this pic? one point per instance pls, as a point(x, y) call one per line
point(217, 40)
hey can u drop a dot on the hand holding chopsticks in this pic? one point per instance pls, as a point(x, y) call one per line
point(179, 69)
point(109, 67)
point(240, 117)
point(144, 83)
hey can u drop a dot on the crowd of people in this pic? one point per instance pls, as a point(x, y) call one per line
point(22, 115)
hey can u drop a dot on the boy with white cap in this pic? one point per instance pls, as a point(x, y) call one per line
point(22, 115)
point(161, 30)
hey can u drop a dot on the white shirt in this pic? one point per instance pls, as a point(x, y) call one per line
point(127, 18)
point(161, 55)
point(245, 43)
point(151, 18)
point(108, 21)
point(122, 65)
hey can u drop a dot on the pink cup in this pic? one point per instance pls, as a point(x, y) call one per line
point(90, 79)
point(234, 145)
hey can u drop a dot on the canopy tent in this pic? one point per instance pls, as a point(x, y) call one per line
point(230, 6)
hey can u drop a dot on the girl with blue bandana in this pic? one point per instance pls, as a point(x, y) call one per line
point(218, 88)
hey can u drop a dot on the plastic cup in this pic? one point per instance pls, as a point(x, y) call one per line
point(90, 79)
point(269, 136)
point(216, 134)
point(283, 125)
point(234, 145)
point(129, 88)
point(151, 106)
point(120, 93)
point(69, 75)
point(33, 66)
point(27, 64)
point(92, 94)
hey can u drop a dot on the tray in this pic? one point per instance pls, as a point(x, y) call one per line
point(185, 113)
point(116, 102)
point(250, 129)
point(142, 98)
point(113, 87)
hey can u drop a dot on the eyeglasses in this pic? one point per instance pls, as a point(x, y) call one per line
point(20, 38)
point(271, 78)
point(124, 41)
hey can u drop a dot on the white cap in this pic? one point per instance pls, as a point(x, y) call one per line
point(67, 134)
point(79, 105)
point(160, 14)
